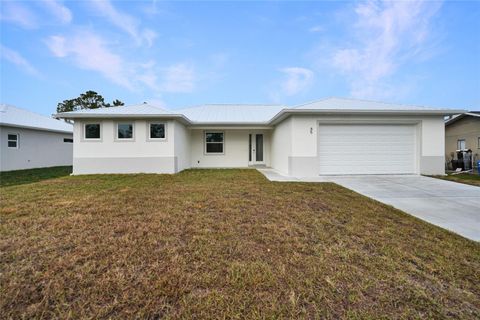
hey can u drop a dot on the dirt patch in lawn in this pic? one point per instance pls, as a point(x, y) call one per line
point(224, 244)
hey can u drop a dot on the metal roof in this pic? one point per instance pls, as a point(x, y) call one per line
point(232, 113)
point(256, 113)
point(357, 104)
point(143, 109)
point(17, 117)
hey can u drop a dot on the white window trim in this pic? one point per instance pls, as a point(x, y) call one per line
point(17, 141)
point(464, 141)
point(205, 143)
point(156, 139)
point(125, 139)
point(84, 135)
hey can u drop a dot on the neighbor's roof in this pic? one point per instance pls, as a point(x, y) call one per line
point(17, 117)
point(232, 113)
point(475, 114)
point(257, 113)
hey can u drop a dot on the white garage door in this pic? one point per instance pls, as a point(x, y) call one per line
point(366, 149)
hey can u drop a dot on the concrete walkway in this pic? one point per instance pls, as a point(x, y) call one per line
point(450, 205)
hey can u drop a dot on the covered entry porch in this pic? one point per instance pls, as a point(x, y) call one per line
point(239, 147)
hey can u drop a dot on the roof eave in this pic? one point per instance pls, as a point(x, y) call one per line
point(73, 116)
point(36, 128)
point(460, 117)
point(229, 123)
point(286, 112)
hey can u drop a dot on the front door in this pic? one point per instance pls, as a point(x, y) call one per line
point(256, 154)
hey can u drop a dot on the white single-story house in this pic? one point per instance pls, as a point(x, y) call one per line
point(30, 140)
point(327, 137)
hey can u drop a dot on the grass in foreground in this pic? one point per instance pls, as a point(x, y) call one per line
point(467, 178)
point(12, 178)
point(224, 244)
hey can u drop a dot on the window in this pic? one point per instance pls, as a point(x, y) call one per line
point(68, 140)
point(478, 145)
point(125, 131)
point(12, 140)
point(214, 142)
point(157, 130)
point(92, 131)
point(460, 144)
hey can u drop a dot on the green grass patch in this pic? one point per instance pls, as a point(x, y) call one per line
point(12, 178)
point(467, 178)
point(217, 244)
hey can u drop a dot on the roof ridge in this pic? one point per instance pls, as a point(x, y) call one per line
point(384, 102)
point(310, 102)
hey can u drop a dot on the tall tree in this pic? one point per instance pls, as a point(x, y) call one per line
point(87, 100)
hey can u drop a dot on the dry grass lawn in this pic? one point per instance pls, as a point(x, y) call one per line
point(211, 244)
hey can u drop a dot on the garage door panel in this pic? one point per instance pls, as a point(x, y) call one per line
point(366, 149)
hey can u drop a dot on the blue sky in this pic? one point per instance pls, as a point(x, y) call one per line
point(178, 54)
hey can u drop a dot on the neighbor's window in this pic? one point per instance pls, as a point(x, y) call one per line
point(12, 140)
point(92, 131)
point(69, 140)
point(460, 144)
point(157, 130)
point(125, 131)
point(214, 142)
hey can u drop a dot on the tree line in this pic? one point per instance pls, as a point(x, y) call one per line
point(88, 100)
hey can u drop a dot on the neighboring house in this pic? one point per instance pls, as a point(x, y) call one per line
point(463, 132)
point(30, 140)
point(330, 136)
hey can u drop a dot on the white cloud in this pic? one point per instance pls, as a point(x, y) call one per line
point(296, 80)
point(179, 78)
point(89, 51)
point(388, 35)
point(17, 59)
point(316, 29)
point(17, 13)
point(59, 11)
point(124, 22)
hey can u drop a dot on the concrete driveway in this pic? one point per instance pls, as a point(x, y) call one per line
point(450, 205)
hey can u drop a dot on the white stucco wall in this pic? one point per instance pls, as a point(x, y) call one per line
point(36, 149)
point(110, 155)
point(181, 146)
point(236, 149)
point(303, 157)
point(281, 147)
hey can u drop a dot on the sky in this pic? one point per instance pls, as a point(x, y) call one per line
point(179, 54)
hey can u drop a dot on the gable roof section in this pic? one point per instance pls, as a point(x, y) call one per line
point(475, 114)
point(244, 114)
point(17, 117)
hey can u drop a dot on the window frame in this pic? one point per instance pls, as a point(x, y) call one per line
point(85, 131)
point(149, 137)
point(205, 143)
point(117, 138)
point(17, 141)
point(464, 142)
